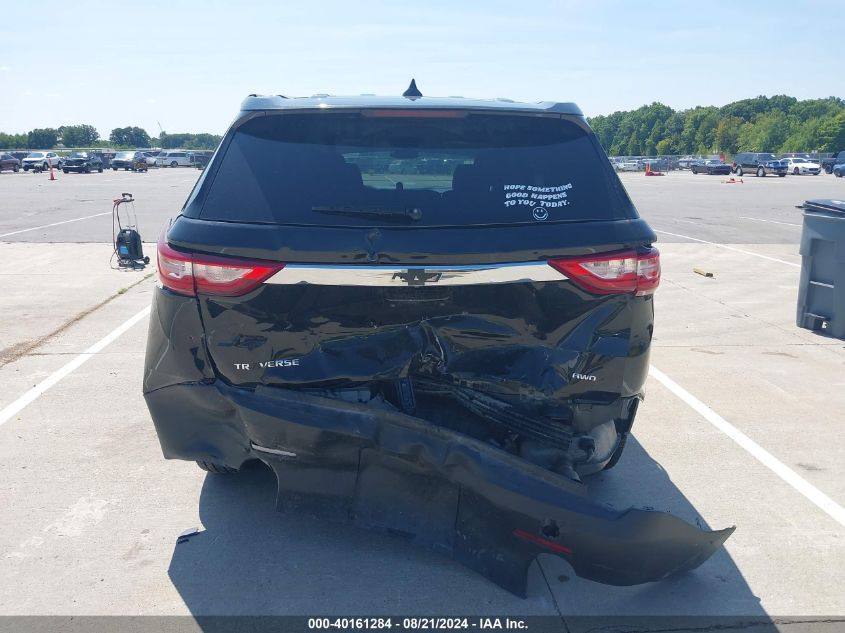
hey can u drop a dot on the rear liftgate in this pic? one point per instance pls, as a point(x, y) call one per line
point(482, 506)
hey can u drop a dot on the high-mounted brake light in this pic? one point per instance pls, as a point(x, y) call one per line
point(191, 274)
point(613, 273)
point(415, 113)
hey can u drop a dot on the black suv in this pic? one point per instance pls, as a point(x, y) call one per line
point(759, 163)
point(426, 315)
point(85, 162)
point(129, 161)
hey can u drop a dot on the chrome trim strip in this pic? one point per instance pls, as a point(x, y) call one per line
point(404, 276)
point(272, 451)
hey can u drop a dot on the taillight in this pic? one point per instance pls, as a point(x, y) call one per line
point(192, 273)
point(613, 273)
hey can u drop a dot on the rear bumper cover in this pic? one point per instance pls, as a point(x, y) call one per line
point(374, 468)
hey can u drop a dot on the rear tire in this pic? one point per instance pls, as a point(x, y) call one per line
point(174, 164)
point(761, 173)
point(218, 469)
point(738, 171)
point(796, 172)
point(15, 168)
point(65, 170)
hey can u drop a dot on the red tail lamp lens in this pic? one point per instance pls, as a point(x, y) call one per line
point(191, 273)
point(623, 272)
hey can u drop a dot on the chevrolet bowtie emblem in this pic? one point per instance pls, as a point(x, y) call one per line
point(417, 277)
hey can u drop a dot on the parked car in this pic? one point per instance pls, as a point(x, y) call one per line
point(758, 163)
point(151, 157)
point(7, 161)
point(656, 164)
point(393, 344)
point(629, 165)
point(41, 160)
point(129, 160)
point(173, 159)
point(829, 163)
point(199, 160)
point(710, 167)
point(839, 170)
point(800, 166)
point(83, 162)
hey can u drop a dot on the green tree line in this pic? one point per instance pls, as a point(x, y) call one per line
point(84, 135)
point(762, 124)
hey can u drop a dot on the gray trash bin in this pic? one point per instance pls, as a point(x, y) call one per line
point(821, 295)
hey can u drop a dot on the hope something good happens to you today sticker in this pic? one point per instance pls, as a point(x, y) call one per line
point(538, 199)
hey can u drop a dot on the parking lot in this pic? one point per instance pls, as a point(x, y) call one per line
point(741, 426)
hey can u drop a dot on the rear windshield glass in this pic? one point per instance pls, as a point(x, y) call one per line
point(354, 169)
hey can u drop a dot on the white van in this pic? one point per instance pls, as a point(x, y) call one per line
point(173, 158)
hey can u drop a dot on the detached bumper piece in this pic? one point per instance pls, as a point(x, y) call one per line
point(382, 469)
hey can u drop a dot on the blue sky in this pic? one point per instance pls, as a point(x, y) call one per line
point(188, 64)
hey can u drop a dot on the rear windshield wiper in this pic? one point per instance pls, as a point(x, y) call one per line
point(371, 212)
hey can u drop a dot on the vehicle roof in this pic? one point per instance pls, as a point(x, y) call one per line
point(322, 102)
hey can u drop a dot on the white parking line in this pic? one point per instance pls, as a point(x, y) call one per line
point(745, 217)
point(30, 396)
point(821, 500)
point(731, 248)
point(44, 226)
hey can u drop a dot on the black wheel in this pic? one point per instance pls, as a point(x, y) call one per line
point(87, 169)
point(174, 164)
point(781, 175)
point(114, 168)
point(796, 172)
point(44, 166)
point(15, 168)
point(761, 173)
point(146, 260)
point(695, 170)
point(617, 454)
point(836, 172)
point(218, 469)
point(99, 170)
point(738, 170)
point(65, 170)
point(828, 169)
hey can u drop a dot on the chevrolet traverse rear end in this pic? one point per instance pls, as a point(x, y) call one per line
point(406, 305)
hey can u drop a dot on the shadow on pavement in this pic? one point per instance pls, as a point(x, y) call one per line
point(717, 588)
point(252, 560)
